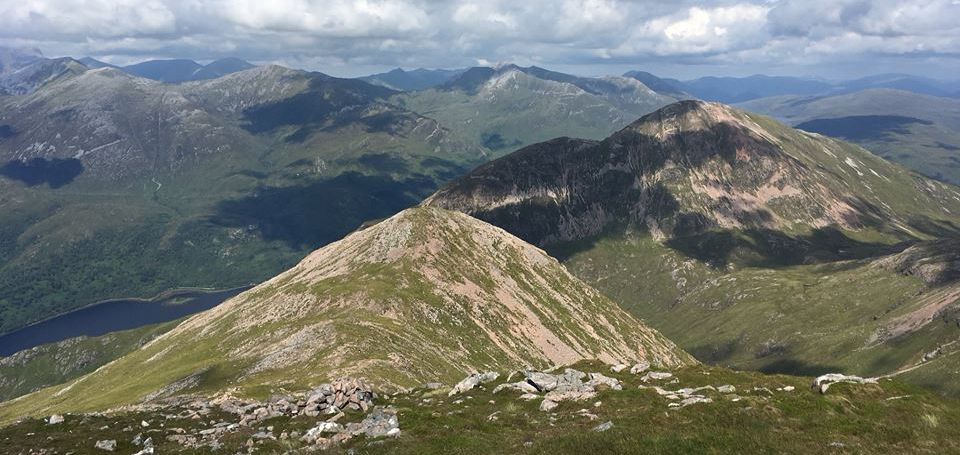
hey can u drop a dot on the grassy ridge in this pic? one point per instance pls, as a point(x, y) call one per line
point(887, 418)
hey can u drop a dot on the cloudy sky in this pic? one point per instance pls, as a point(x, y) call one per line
point(680, 38)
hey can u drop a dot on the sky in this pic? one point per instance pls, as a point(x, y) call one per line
point(830, 39)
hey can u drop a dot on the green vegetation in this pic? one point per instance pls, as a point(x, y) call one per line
point(920, 132)
point(56, 363)
point(262, 197)
point(887, 418)
point(515, 109)
point(425, 295)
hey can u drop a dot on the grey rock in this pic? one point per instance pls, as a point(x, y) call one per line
point(822, 383)
point(603, 426)
point(727, 389)
point(548, 405)
point(108, 444)
point(521, 386)
point(55, 419)
point(597, 379)
point(472, 381)
point(656, 375)
point(640, 367)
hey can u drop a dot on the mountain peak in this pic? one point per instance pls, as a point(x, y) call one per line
point(425, 295)
point(691, 167)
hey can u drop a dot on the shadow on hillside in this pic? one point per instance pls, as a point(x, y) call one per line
point(314, 214)
point(796, 367)
point(38, 171)
point(771, 248)
point(328, 103)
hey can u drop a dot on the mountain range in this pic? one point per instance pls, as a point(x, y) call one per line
point(742, 89)
point(751, 244)
point(115, 184)
point(416, 227)
point(507, 107)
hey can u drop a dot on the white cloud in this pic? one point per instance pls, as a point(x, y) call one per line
point(380, 33)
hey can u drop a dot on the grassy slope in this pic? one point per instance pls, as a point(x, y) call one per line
point(802, 319)
point(931, 147)
point(410, 325)
point(219, 223)
point(849, 419)
point(56, 363)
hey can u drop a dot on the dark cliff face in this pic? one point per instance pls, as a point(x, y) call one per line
point(682, 170)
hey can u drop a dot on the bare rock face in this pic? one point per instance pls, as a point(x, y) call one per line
point(688, 168)
point(936, 262)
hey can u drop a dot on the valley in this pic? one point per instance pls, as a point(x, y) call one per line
point(497, 258)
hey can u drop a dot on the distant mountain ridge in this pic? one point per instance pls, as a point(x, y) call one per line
point(407, 80)
point(506, 107)
point(181, 70)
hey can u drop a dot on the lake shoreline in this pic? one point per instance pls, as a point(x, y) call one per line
point(114, 315)
point(164, 295)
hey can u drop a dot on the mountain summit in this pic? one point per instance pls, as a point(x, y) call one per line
point(694, 166)
point(425, 295)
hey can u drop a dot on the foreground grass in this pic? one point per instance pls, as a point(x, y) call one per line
point(887, 418)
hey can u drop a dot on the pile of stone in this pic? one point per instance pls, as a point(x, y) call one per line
point(382, 422)
point(571, 385)
point(822, 383)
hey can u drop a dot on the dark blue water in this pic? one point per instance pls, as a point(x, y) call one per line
point(112, 316)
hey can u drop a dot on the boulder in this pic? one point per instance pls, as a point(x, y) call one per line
point(727, 389)
point(548, 405)
point(55, 419)
point(619, 367)
point(603, 426)
point(108, 444)
point(545, 382)
point(380, 423)
point(656, 375)
point(472, 381)
point(570, 395)
point(521, 386)
point(597, 380)
point(640, 367)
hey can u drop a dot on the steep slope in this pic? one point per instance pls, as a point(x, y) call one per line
point(751, 244)
point(22, 72)
point(55, 363)
point(507, 107)
point(918, 131)
point(425, 295)
point(114, 186)
point(692, 167)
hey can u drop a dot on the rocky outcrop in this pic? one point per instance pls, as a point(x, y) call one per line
point(822, 383)
point(473, 381)
point(935, 262)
